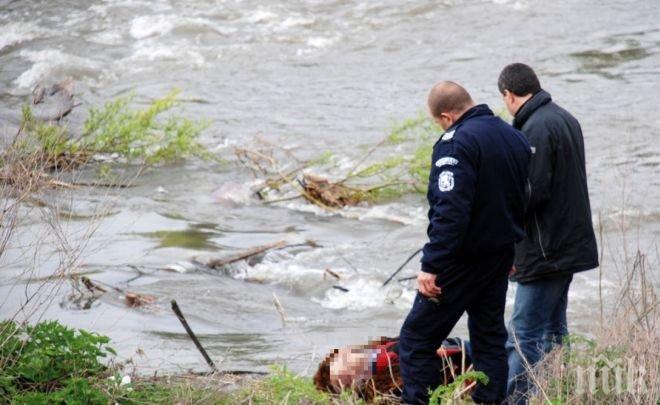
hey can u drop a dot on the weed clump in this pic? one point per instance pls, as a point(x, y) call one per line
point(113, 133)
point(139, 134)
point(50, 363)
point(458, 390)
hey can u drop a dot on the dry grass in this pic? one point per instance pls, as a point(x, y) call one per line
point(621, 363)
point(39, 229)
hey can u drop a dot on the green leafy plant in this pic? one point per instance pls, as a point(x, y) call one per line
point(116, 132)
point(420, 127)
point(139, 133)
point(450, 392)
point(116, 128)
point(406, 171)
point(50, 359)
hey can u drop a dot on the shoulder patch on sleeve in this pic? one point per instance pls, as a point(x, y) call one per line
point(447, 136)
point(446, 181)
point(446, 161)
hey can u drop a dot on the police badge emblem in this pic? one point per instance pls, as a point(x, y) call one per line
point(446, 181)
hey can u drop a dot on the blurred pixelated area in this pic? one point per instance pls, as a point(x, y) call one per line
point(372, 369)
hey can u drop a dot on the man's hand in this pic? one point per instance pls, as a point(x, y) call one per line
point(426, 285)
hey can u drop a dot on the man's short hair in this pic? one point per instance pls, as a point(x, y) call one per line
point(519, 79)
point(448, 97)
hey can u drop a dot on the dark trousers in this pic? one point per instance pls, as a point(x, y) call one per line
point(478, 287)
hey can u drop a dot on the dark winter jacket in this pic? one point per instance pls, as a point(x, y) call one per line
point(559, 236)
point(477, 190)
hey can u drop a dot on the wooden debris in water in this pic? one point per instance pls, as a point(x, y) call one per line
point(218, 263)
point(332, 273)
point(131, 299)
point(330, 194)
point(279, 308)
point(92, 287)
point(386, 282)
point(193, 337)
point(248, 253)
point(134, 300)
point(287, 177)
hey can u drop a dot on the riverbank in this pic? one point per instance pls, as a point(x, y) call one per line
point(48, 361)
point(51, 363)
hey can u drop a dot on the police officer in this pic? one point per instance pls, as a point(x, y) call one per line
point(477, 195)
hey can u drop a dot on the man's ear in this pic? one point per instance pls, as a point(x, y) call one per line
point(509, 101)
point(450, 119)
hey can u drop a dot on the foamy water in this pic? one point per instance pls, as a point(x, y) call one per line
point(15, 33)
point(48, 63)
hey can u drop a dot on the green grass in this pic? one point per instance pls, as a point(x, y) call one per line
point(168, 391)
point(283, 386)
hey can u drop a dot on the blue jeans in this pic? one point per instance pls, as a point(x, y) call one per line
point(538, 324)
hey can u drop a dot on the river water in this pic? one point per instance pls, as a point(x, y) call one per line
point(314, 76)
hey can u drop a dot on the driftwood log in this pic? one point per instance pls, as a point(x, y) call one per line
point(248, 253)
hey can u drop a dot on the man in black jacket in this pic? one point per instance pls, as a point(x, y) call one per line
point(476, 200)
point(559, 237)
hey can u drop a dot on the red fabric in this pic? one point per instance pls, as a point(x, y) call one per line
point(449, 351)
point(385, 357)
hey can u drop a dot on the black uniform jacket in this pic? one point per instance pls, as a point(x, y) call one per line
point(559, 236)
point(477, 191)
